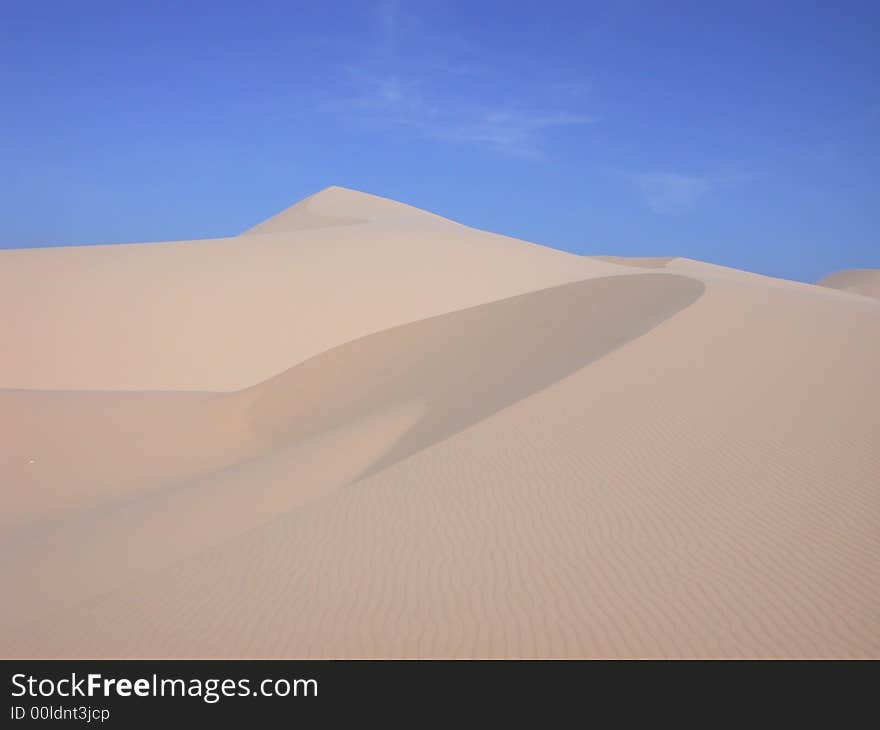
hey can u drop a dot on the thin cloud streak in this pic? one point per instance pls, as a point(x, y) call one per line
point(668, 193)
point(510, 129)
point(513, 131)
point(445, 97)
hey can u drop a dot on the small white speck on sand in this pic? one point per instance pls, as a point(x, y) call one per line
point(32, 461)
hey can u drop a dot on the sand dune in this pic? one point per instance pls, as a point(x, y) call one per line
point(646, 262)
point(224, 314)
point(359, 429)
point(857, 281)
point(335, 206)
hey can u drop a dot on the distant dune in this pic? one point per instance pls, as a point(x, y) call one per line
point(857, 281)
point(359, 429)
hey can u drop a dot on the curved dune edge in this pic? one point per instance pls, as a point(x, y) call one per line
point(469, 364)
point(198, 469)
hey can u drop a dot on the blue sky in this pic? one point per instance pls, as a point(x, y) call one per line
point(742, 133)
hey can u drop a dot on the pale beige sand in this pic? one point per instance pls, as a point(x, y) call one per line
point(644, 262)
point(224, 314)
point(857, 281)
point(516, 452)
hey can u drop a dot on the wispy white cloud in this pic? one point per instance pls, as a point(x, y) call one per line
point(513, 129)
point(386, 95)
point(432, 87)
point(668, 193)
point(510, 130)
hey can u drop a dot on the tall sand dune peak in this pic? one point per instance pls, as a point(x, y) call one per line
point(335, 206)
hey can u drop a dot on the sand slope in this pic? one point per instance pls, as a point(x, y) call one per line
point(857, 281)
point(493, 449)
point(224, 314)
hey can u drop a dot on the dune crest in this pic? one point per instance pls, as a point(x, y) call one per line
point(335, 206)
